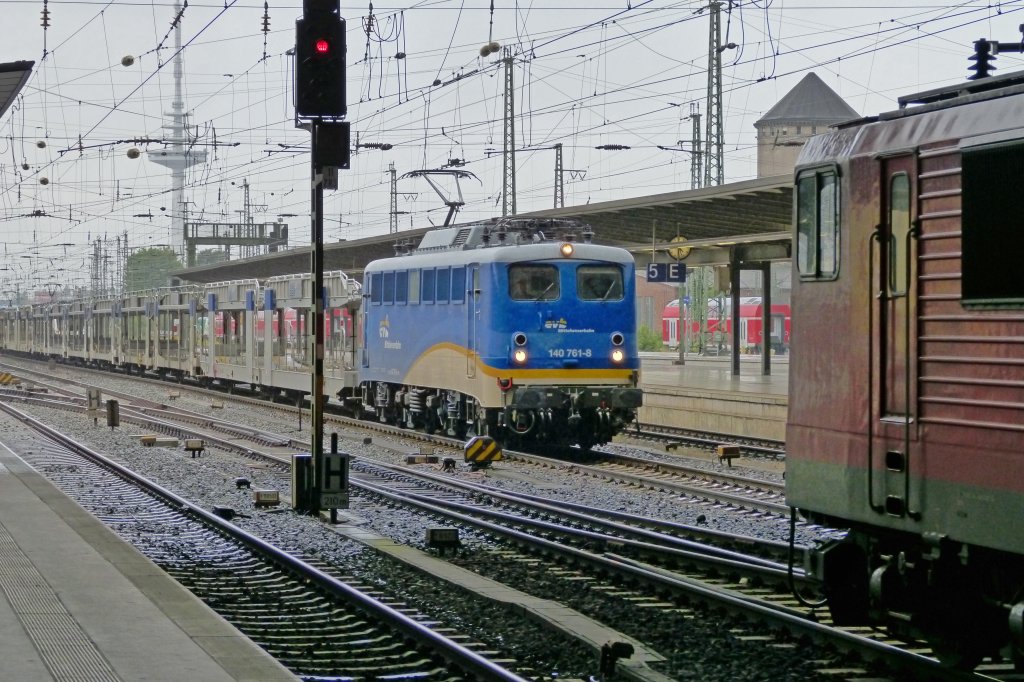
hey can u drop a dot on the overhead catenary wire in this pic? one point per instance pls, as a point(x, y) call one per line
point(456, 120)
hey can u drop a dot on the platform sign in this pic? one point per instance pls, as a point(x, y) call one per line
point(334, 500)
point(666, 272)
point(334, 480)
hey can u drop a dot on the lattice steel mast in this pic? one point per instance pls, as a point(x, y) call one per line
point(697, 156)
point(508, 186)
point(714, 169)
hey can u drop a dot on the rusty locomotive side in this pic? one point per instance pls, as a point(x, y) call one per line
point(906, 417)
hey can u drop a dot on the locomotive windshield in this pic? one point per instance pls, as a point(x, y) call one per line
point(533, 282)
point(599, 283)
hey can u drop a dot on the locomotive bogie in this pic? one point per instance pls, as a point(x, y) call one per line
point(903, 224)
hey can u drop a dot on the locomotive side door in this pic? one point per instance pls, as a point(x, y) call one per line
point(473, 317)
point(895, 340)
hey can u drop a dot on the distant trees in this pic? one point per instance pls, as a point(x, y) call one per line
point(150, 268)
point(211, 256)
point(648, 340)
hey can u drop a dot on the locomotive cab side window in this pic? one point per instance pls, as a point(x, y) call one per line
point(444, 282)
point(375, 287)
point(599, 283)
point(458, 284)
point(899, 233)
point(817, 224)
point(991, 225)
point(428, 286)
point(401, 287)
point(414, 286)
point(533, 282)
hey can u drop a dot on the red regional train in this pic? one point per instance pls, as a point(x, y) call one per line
point(751, 324)
point(906, 398)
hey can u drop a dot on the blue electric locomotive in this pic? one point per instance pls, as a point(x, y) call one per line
point(498, 329)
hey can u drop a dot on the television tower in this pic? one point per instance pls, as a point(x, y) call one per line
point(179, 155)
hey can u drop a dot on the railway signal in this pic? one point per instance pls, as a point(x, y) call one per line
point(320, 61)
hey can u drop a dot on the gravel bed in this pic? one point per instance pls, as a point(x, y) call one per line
point(700, 645)
point(563, 484)
point(549, 655)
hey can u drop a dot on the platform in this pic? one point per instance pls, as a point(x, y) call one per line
point(704, 395)
point(77, 603)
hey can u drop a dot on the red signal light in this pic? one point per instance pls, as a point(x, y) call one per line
point(322, 46)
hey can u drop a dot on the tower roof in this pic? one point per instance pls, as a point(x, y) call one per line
point(810, 101)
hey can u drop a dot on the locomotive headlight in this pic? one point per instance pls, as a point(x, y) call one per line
point(618, 355)
point(618, 339)
point(567, 249)
point(519, 338)
point(519, 355)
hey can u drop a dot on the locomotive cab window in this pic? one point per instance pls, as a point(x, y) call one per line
point(991, 225)
point(533, 282)
point(817, 224)
point(599, 283)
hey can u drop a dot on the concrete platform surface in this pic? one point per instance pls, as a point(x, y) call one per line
point(79, 604)
point(704, 395)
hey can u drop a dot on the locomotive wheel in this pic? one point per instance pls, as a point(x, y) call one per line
point(521, 421)
point(965, 628)
point(429, 422)
point(960, 652)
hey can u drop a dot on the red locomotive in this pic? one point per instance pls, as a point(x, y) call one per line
point(906, 400)
point(719, 327)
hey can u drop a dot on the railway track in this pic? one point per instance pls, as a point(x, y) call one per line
point(672, 438)
point(314, 623)
point(633, 562)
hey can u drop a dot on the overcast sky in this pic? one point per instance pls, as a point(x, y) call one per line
point(587, 74)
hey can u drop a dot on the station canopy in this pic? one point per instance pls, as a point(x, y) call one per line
point(743, 221)
point(13, 76)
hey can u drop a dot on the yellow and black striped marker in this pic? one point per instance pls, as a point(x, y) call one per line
point(482, 450)
point(7, 379)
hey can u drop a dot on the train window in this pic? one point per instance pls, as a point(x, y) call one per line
point(428, 286)
point(401, 286)
point(458, 285)
point(444, 284)
point(817, 224)
point(599, 283)
point(991, 225)
point(414, 286)
point(388, 295)
point(899, 231)
point(533, 282)
point(375, 288)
